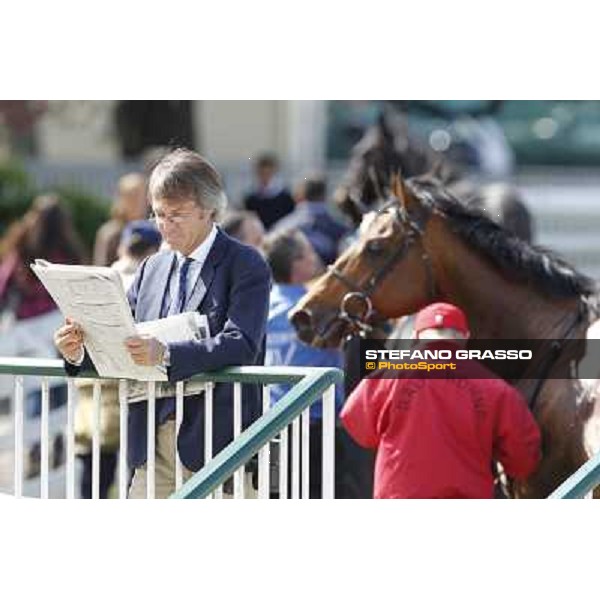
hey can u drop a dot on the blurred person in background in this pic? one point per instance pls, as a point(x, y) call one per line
point(138, 240)
point(294, 263)
point(131, 205)
point(244, 226)
point(45, 231)
point(313, 217)
point(28, 315)
point(504, 204)
point(269, 199)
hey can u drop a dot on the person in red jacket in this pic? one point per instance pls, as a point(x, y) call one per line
point(438, 438)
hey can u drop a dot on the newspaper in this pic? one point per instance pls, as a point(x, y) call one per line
point(176, 328)
point(95, 298)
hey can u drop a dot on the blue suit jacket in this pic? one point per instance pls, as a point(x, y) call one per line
point(233, 292)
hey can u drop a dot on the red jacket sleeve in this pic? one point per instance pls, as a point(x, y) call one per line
point(518, 441)
point(360, 414)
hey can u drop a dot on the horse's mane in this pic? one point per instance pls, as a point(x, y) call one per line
point(516, 258)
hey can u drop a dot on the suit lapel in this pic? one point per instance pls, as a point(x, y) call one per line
point(207, 273)
point(158, 287)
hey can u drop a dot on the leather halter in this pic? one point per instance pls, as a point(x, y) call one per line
point(413, 227)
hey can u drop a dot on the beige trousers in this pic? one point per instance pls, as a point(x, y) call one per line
point(165, 468)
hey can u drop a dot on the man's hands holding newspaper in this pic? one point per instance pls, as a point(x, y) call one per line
point(69, 341)
point(145, 350)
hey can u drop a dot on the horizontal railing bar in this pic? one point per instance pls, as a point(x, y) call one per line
point(260, 432)
point(48, 367)
point(585, 479)
point(51, 367)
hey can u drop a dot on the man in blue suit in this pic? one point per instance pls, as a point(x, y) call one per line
point(204, 270)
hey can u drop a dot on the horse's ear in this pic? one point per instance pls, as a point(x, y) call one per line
point(437, 169)
point(384, 126)
point(399, 189)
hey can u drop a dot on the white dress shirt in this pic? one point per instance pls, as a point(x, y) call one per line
point(198, 256)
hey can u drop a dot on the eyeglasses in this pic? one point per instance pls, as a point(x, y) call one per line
point(177, 219)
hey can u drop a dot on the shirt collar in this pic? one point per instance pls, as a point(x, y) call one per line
point(200, 253)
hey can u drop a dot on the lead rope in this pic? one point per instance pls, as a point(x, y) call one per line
point(557, 347)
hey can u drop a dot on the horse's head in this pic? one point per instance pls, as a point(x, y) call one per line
point(386, 148)
point(388, 272)
point(366, 181)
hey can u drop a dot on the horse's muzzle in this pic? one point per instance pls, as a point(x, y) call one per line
point(303, 323)
point(320, 333)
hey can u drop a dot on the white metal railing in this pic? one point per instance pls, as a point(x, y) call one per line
point(292, 482)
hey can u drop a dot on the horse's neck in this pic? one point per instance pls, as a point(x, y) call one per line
point(497, 307)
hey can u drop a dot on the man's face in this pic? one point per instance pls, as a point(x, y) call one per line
point(182, 223)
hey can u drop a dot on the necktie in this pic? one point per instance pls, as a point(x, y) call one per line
point(178, 303)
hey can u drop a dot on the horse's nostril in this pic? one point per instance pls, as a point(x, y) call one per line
point(302, 321)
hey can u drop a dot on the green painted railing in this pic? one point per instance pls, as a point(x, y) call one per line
point(583, 481)
point(309, 385)
point(302, 395)
point(52, 367)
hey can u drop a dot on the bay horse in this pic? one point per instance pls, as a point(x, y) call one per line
point(424, 245)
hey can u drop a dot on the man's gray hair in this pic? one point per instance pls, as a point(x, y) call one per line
point(280, 249)
point(185, 175)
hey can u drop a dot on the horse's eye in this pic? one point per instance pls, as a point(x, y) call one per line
point(375, 247)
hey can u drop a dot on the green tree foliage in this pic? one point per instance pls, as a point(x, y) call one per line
point(88, 211)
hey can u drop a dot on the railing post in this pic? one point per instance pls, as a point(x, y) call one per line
point(19, 433)
point(178, 420)
point(96, 398)
point(328, 484)
point(264, 480)
point(70, 439)
point(151, 446)
point(45, 441)
point(238, 476)
point(306, 454)
point(123, 442)
point(296, 458)
point(208, 432)
point(283, 464)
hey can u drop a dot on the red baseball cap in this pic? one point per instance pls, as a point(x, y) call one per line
point(441, 315)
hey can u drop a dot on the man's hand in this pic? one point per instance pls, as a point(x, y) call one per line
point(69, 340)
point(145, 350)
